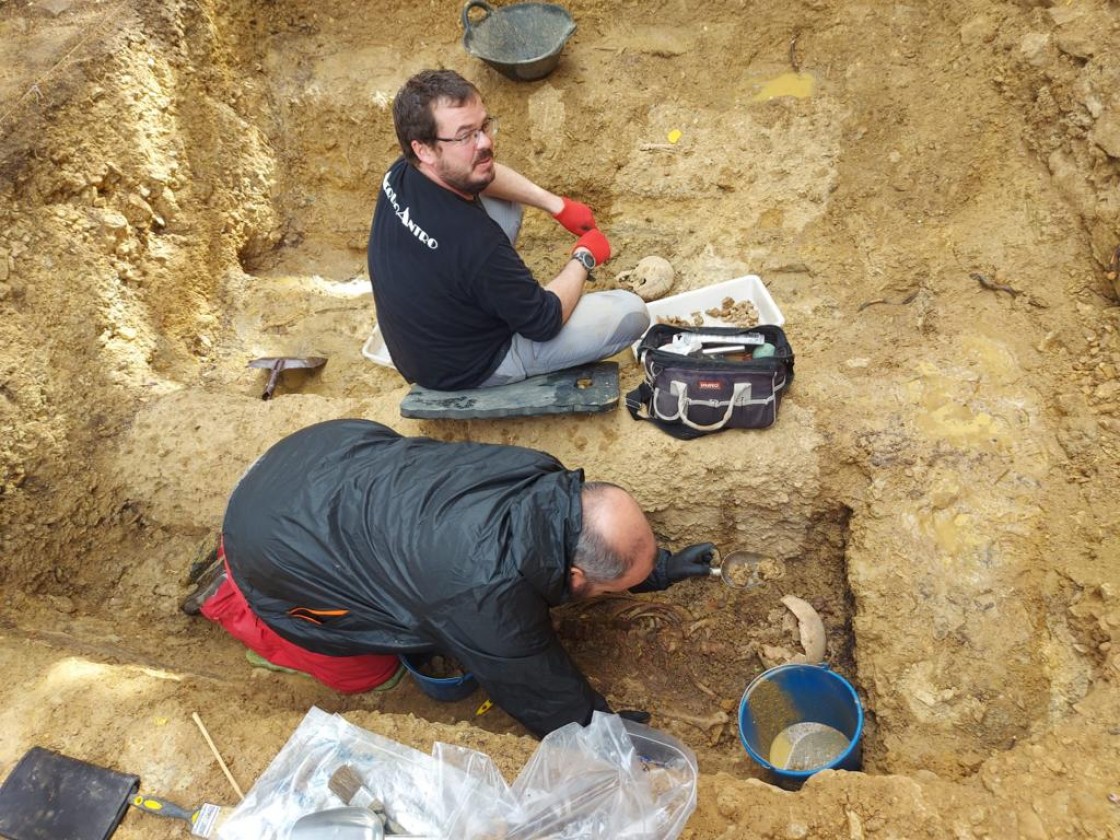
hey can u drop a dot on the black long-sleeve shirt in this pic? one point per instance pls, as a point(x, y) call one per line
point(449, 287)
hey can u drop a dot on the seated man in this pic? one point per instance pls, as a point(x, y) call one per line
point(456, 305)
point(346, 544)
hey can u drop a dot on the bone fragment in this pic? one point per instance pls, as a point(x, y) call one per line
point(775, 655)
point(650, 279)
point(703, 723)
point(811, 628)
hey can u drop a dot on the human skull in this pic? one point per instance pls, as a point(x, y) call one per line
point(650, 279)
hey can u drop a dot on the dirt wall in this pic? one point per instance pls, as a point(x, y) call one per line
point(185, 187)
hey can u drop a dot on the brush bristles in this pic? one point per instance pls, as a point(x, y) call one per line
point(345, 783)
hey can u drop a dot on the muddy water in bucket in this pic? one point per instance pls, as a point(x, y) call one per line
point(807, 746)
point(795, 720)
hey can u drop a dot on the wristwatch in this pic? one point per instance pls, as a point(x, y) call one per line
point(585, 258)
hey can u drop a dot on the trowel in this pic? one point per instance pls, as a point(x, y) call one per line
point(278, 364)
point(349, 823)
point(739, 569)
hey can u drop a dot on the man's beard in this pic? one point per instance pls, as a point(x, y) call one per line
point(466, 183)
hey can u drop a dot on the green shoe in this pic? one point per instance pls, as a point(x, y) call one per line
point(392, 681)
point(258, 661)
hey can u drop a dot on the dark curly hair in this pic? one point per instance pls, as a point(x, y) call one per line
point(415, 102)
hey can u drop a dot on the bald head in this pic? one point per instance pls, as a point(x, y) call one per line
point(616, 548)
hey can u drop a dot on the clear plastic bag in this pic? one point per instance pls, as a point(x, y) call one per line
point(409, 783)
point(611, 779)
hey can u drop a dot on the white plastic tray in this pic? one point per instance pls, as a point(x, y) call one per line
point(682, 305)
point(375, 350)
point(686, 304)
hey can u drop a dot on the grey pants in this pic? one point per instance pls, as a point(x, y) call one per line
point(602, 324)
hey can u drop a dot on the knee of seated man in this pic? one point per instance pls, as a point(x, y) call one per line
point(635, 319)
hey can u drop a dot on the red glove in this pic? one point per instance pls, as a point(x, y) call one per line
point(597, 244)
point(576, 217)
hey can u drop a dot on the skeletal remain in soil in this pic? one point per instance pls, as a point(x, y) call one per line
point(772, 655)
point(627, 609)
point(811, 630)
point(650, 279)
point(712, 725)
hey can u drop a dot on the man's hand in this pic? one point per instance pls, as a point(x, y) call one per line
point(596, 243)
point(636, 715)
point(694, 561)
point(576, 217)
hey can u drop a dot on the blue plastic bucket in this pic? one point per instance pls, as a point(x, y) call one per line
point(439, 688)
point(789, 694)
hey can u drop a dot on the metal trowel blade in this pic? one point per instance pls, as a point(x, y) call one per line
point(339, 824)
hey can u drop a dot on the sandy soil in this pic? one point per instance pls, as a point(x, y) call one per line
point(186, 186)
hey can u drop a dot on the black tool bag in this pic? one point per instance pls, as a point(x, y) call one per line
point(696, 394)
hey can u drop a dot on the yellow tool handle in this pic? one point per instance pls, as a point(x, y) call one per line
point(161, 807)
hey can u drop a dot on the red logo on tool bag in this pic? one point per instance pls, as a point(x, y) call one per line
point(709, 385)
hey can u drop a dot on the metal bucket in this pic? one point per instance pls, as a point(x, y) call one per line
point(522, 41)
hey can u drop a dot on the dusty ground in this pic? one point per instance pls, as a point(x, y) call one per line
point(185, 186)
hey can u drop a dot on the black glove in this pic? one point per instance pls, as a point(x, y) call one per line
point(694, 561)
point(636, 715)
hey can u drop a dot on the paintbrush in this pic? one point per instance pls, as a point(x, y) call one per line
point(346, 784)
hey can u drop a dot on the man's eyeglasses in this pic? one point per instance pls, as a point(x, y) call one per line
point(489, 128)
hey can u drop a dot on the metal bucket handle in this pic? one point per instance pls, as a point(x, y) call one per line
point(475, 4)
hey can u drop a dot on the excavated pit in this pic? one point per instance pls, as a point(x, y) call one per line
point(186, 187)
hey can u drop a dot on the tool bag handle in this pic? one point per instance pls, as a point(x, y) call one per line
point(683, 402)
point(638, 402)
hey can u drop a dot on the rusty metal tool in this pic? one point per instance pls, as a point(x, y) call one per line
point(278, 364)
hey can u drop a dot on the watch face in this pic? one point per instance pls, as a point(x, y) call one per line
point(585, 258)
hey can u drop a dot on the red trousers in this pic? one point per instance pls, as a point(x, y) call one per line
point(345, 674)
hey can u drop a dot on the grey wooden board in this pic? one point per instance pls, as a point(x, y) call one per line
point(588, 389)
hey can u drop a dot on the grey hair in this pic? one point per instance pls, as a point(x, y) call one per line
point(600, 562)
